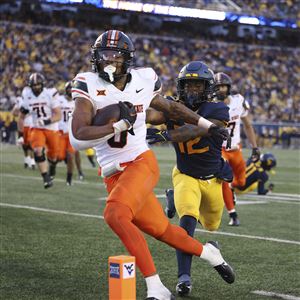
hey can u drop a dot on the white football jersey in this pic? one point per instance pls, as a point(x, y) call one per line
point(140, 91)
point(238, 108)
point(67, 108)
point(40, 107)
point(28, 117)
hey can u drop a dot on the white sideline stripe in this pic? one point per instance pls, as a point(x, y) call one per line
point(101, 217)
point(50, 210)
point(269, 197)
point(254, 237)
point(280, 195)
point(272, 294)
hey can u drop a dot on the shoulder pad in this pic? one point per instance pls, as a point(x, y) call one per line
point(147, 73)
point(26, 91)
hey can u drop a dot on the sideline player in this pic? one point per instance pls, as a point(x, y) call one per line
point(129, 168)
point(43, 105)
point(24, 137)
point(257, 176)
point(66, 151)
point(238, 111)
point(200, 169)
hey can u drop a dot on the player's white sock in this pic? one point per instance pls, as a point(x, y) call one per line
point(212, 255)
point(156, 289)
point(32, 162)
point(27, 161)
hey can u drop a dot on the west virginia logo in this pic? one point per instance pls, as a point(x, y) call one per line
point(128, 270)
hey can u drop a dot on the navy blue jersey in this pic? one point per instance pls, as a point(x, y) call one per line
point(202, 156)
point(255, 173)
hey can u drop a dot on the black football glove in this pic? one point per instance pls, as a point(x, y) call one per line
point(255, 154)
point(220, 132)
point(128, 113)
point(155, 135)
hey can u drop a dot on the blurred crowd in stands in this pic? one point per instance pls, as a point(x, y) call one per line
point(269, 8)
point(268, 77)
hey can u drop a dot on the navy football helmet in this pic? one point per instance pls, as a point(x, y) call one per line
point(36, 82)
point(107, 52)
point(268, 161)
point(195, 73)
point(222, 79)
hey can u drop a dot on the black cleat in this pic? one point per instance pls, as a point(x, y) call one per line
point(183, 288)
point(48, 184)
point(233, 219)
point(47, 181)
point(170, 209)
point(224, 270)
point(234, 222)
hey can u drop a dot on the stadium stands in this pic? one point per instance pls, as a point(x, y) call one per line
point(266, 76)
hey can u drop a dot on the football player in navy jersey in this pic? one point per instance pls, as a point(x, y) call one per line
point(200, 169)
point(257, 176)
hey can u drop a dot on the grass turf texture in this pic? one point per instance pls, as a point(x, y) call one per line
point(53, 256)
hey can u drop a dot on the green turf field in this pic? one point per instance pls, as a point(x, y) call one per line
point(61, 252)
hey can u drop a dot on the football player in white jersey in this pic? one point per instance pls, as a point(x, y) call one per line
point(24, 137)
point(238, 111)
point(66, 151)
point(43, 105)
point(129, 168)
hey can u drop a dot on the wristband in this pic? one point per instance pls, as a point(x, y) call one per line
point(47, 122)
point(120, 126)
point(204, 123)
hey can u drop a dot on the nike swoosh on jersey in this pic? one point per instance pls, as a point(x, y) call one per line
point(137, 91)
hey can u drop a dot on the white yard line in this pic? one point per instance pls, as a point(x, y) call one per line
point(276, 295)
point(101, 217)
point(55, 179)
point(50, 210)
point(254, 237)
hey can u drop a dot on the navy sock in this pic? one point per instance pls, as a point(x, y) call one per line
point(185, 260)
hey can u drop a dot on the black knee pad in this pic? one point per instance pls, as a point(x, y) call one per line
point(41, 158)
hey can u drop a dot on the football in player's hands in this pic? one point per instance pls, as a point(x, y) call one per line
point(271, 187)
point(107, 114)
point(127, 112)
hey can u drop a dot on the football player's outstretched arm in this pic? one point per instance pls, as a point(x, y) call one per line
point(82, 120)
point(249, 131)
point(155, 117)
point(177, 111)
point(189, 132)
point(21, 121)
